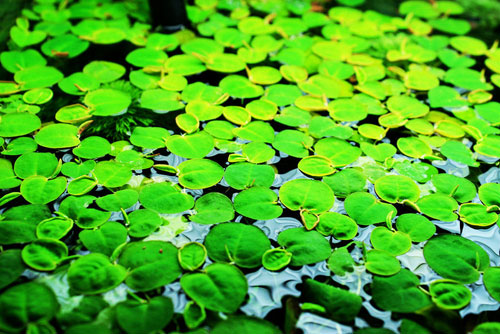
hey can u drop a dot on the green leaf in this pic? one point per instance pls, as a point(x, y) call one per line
point(458, 152)
point(438, 206)
point(192, 146)
point(399, 293)
point(64, 46)
point(281, 94)
point(135, 317)
point(379, 152)
point(491, 279)
point(15, 232)
point(184, 65)
point(455, 257)
point(18, 146)
point(14, 61)
point(307, 247)
point(258, 203)
point(224, 63)
point(469, 45)
point(346, 181)
point(477, 215)
point(221, 287)
point(78, 83)
point(257, 152)
point(276, 259)
point(92, 148)
point(264, 75)
point(262, 109)
point(380, 262)
point(393, 242)
point(339, 226)
point(187, 123)
point(58, 136)
point(38, 77)
point(406, 106)
point(29, 164)
point(122, 199)
point(449, 295)
point(151, 264)
point(40, 190)
point(165, 198)
point(414, 147)
point(487, 328)
point(199, 173)
point(488, 146)
point(416, 226)
point(38, 96)
point(161, 101)
point(489, 194)
point(54, 228)
point(365, 209)
point(341, 262)
point(466, 78)
point(94, 273)
point(194, 315)
point(339, 151)
point(444, 96)
point(397, 189)
point(149, 137)
point(107, 102)
point(104, 239)
point(316, 165)
point(44, 254)
point(18, 124)
point(340, 305)
point(418, 171)
point(74, 170)
point(244, 175)
point(305, 194)
point(142, 57)
point(244, 325)
point(452, 59)
point(39, 305)
point(347, 110)
point(240, 87)
point(235, 242)
point(11, 267)
point(192, 256)
point(104, 71)
point(143, 222)
point(421, 80)
point(112, 174)
point(213, 208)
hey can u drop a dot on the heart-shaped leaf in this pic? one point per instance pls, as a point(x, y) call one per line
point(397, 189)
point(456, 257)
point(258, 203)
point(105, 239)
point(213, 208)
point(399, 293)
point(135, 317)
point(305, 194)
point(235, 242)
point(93, 274)
point(307, 247)
point(165, 198)
point(151, 264)
point(366, 210)
point(395, 243)
point(38, 189)
point(221, 287)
